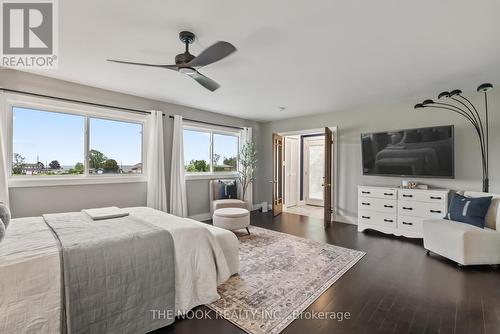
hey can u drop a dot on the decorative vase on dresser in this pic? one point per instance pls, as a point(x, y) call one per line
point(399, 211)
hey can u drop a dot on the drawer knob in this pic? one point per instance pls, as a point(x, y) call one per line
point(435, 211)
point(388, 194)
point(365, 192)
point(389, 220)
point(388, 206)
point(365, 217)
point(406, 195)
point(364, 203)
point(405, 223)
point(407, 208)
point(436, 197)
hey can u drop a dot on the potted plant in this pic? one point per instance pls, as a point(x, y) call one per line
point(247, 159)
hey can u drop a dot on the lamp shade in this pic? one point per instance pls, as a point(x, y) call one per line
point(484, 87)
point(443, 95)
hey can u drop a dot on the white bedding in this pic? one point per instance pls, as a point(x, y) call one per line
point(197, 273)
point(30, 279)
point(30, 269)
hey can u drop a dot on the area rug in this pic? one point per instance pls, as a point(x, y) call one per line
point(280, 276)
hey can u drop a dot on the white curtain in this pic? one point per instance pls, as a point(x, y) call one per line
point(157, 187)
point(246, 136)
point(4, 188)
point(178, 200)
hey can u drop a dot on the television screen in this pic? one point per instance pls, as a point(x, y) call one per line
point(422, 152)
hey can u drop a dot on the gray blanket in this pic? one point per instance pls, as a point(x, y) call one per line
point(118, 274)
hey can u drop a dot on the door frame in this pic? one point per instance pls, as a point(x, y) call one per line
point(334, 130)
point(288, 165)
point(317, 141)
point(278, 153)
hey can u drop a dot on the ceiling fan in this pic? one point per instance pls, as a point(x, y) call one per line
point(188, 64)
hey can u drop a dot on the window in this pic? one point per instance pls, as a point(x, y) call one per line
point(115, 147)
point(210, 151)
point(225, 153)
point(196, 151)
point(48, 141)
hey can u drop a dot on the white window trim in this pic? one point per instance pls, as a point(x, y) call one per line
point(212, 129)
point(9, 100)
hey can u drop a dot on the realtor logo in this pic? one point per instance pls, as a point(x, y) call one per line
point(29, 34)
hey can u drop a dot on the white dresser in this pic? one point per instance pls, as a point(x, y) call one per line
point(399, 211)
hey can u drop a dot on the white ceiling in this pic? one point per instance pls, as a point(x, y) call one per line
point(309, 56)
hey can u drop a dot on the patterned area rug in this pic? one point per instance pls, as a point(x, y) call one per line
point(280, 276)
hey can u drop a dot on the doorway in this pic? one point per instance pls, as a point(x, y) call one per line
point(303, 165)
point(314, 167)
point(292, 171)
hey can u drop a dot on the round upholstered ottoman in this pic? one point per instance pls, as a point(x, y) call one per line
point(232, 218)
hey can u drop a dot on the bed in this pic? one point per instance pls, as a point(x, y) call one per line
point(30, 269)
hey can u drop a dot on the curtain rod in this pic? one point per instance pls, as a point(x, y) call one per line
point(75, 101)
point(210, 123)
point(107, 106)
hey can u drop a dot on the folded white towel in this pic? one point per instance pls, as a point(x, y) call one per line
point(106, 213)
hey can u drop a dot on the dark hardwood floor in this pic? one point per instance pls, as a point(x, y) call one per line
point(394, 288)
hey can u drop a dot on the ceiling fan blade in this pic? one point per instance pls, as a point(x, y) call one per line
point(212, 54)
point(170, 67)
point(206, 82)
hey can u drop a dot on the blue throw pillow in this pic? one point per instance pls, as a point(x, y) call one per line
point(227, 189)
point(469, 210)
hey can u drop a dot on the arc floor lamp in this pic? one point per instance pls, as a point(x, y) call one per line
point(461, 105)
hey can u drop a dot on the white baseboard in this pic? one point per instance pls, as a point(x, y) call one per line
point(257, 206)
point(339, 218)
point(346, 219)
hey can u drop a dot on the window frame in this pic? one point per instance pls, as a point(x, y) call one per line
point(10, 101)
point(212, 129)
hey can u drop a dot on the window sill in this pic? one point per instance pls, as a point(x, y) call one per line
point(20, 182)
point(211, 176)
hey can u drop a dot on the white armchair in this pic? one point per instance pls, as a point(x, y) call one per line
point(217, 203)
point(463, 243)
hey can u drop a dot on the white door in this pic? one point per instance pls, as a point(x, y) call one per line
point(292, 159)
point(314, 166)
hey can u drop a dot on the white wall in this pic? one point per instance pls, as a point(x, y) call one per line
point(37, 200)
point(351, 123)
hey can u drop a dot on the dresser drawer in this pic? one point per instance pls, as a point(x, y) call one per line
point(386, 193)
point(409, 223)
point(378, 204)
point(421, 209)
point(377, 218)
point(427, 196)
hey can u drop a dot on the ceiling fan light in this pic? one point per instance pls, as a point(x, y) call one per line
point(443, 95)
point(419, 106)
point(484, 87)
point(427, 102)
point(455, 92)
point(187, 70)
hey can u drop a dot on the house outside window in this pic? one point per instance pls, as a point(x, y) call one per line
point(210, 151)
point(70, 143)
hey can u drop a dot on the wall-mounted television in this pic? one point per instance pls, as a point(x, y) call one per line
point(420, 152)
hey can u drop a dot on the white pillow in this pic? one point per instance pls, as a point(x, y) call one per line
point(4, 214)
point(2, 231)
